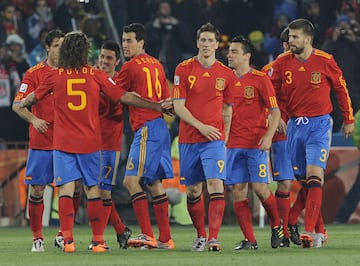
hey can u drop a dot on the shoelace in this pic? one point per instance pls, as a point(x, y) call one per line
point(302, 120)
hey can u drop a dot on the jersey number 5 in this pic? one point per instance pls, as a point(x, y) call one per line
point(76, 92)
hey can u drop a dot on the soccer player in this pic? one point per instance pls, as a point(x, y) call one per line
point(306, 76)
point(280, 158)
point(39, 170)
point(77, 140)
point(202, 99)
point(149, 159)
point(112, 125)
point(249, 143)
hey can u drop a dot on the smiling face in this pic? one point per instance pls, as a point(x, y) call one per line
point(236, 56)
point(207, 44)
point(131, 46)
point(108, 61)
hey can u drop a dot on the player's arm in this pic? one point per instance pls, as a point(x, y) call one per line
point(227, 116)
point(274, 119)
point(210, 132)
point(134, 100)
point(39, 124)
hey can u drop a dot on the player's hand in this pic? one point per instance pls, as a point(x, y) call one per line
point(167, 107)
point(348, 130)
point(40, 125)
point(265, 143)
point(282, 127)
point(210, 132)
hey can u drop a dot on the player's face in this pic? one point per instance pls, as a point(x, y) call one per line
point(297, 41)
point(131, 46)
point(236, 56)
point(108, 61)
point(53, 51)
point(207, 44)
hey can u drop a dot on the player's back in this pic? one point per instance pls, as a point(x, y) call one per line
point(76, 95)
point(144, 75)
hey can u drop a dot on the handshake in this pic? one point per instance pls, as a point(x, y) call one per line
point(167, 107)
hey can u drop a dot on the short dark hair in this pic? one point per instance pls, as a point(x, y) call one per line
point(113, 46)
point(74, 50)
point(284, 36)
point(302, 24)
point(247, 46)
point(208, 27)
point(52, 34)
point(138, 29)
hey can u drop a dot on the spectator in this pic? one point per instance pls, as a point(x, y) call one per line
point(38, 54)
point(272, 44)
point(167, 38)
point(259, 58)
point(41, 19)
point(68, 15)
point(9, 21)
point(345, 47)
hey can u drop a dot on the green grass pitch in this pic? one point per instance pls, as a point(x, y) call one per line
point(343, 248)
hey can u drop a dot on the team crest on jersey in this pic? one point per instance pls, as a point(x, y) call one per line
point(249, 92)
point(23, 87)
point(220, 84)
point(315, 77)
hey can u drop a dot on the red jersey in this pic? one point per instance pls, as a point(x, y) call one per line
point(111, 124)
point(144, 75)
point(76, 96)
point(253, 95)
point(307, 85)
point(282, 103)
point(43, 109)
point(205, 90)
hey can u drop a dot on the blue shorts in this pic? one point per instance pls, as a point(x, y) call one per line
point(110, 163)
point(201, 161)
point(281, 162)
point(309, 141)
point(150, 153)
point(69, 167)
point(39, 167)
point(247, 166)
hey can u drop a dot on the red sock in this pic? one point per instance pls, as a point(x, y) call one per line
point(298, 206)
point(313, 203)
point(319, 226)
point(215, 214)
point(66, 215)
point(283, 204)
point(96, 216)
point(161, 209)
point(272, 210)
point(76, 202)
point(115, 220)
point(36, 210)
point(244, 218)
point(141, 209)
point(196, 210)
point(107, 205)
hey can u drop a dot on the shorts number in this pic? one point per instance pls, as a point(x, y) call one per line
point(221, 165)
point(108, 171)
point(76, 92)
point(323, 155)
point(262, 170)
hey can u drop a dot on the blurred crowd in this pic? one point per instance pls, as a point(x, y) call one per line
point(171, 26)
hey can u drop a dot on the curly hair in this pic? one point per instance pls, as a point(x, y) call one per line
point(74, 51)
